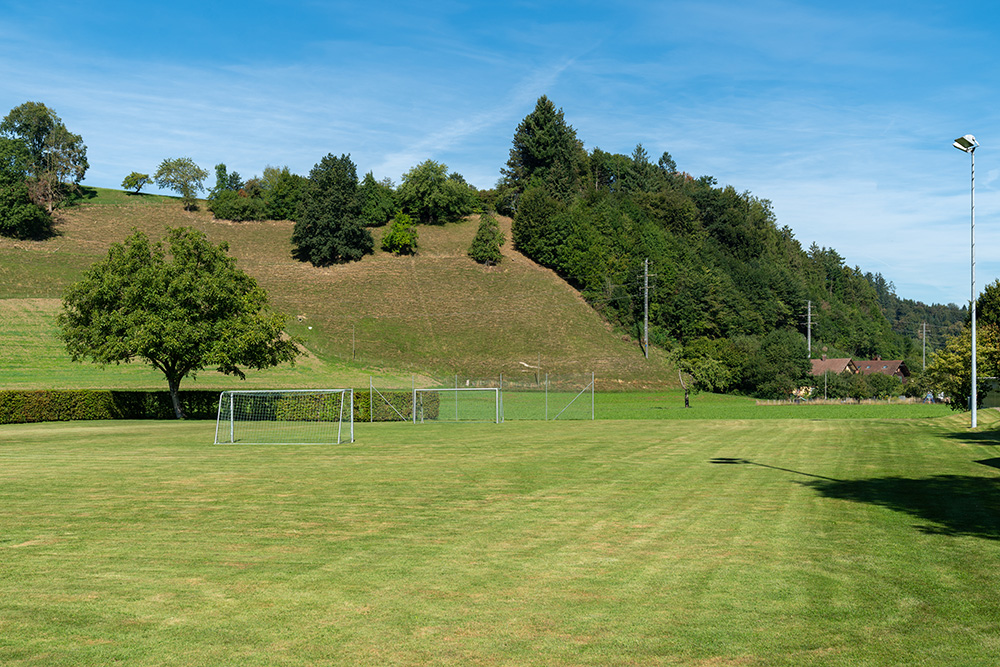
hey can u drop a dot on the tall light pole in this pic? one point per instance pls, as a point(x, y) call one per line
point(969, 144)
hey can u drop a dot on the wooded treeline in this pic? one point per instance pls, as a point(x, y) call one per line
point(729, 286)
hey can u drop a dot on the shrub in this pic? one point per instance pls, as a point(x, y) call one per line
point(236, 206)
point(485, 247)
point(401, 239)
point(20, 407)
point(20, 218)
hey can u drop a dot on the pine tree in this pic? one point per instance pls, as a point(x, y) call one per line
point(485, 247)
point(546, 151)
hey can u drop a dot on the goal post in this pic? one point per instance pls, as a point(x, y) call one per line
point(285, 417)
point(457, 404)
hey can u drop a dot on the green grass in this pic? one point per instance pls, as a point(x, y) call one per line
point(653, 542)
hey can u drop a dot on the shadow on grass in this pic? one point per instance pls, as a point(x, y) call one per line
point(984, 437)
point(956, 505)
point(764, 465)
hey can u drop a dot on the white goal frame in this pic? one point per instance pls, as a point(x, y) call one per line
point(285, 417)
point(454, 414)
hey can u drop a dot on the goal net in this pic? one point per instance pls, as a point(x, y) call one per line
point(459, 404)
point(286, 417)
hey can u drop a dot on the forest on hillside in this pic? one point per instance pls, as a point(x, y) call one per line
point(733, 294)
point(730, 294)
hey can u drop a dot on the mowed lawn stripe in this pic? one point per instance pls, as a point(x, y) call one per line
point(761, 542)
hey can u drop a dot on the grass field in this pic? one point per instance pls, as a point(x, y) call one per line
point(616, 542)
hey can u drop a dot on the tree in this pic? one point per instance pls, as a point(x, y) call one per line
point(434, 197)
point(378, 201)
point(136, 181)
point(56, 159)
point(282, 192)
point(20, 217)
point(181, 311)
point(329, 228)
point(401, 239)
point(485, 247)
point(545, 149)
point(182, 176)
point(232, 198)
point(949, 370)
point(779, 367)
point(225, 181)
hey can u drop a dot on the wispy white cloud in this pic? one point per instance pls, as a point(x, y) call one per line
point(842, 115)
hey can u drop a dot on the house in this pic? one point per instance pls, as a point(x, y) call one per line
point(895, 368)
point(832, 366)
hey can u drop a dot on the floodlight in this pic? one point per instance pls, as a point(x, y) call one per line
point(967, 143)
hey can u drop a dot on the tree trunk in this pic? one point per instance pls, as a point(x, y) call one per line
point(175, 395)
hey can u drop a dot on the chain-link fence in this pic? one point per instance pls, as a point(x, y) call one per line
point(534, 397)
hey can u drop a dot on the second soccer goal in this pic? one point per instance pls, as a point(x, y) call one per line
point(459, 404)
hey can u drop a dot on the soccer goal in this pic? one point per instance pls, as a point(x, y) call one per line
point(457, 404)
point(286, 417)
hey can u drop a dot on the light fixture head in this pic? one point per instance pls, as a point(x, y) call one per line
point(967, 143)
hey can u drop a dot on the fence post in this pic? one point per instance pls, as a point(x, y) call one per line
point(546, 397)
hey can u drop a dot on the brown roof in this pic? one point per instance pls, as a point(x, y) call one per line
point(883, 366)
point(835, 366)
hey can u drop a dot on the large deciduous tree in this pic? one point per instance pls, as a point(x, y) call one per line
point(180, 309)
point(329, 229)
point(182, 176)
point(56, 159)
point(433, 196)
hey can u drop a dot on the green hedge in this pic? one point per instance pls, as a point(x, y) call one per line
point(21, 407)
point(402, 401)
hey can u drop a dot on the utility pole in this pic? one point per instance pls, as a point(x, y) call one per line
point(809, 328)
point(925, 346)
point(645, 307)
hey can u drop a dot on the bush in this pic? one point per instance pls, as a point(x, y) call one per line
point(485, 247)
point(401, 239)
point(22, 407)
point(20, 218)
point(236, 206)
point(395, 403)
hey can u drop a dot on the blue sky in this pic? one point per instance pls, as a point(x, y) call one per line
point(841, 114)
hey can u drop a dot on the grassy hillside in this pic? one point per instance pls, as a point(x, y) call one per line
point(433, 314)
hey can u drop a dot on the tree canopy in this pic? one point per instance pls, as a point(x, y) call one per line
point(547, 152)
point(329, 229)
point(433, 196)
point(20, 217)
point(55, 159)
point(181, 309)
point(182, 176)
